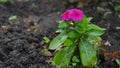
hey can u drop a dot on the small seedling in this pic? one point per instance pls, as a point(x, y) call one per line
point(46, 39)
point(118, 61)
point(13, 17)
point(75, 60)
point(117, 8)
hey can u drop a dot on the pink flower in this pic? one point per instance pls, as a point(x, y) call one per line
point(66, 15)
point(73, 14)
point(77, 15)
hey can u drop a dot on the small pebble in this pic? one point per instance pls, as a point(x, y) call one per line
point(117, 28)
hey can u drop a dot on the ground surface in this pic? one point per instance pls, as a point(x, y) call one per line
point(20, 40)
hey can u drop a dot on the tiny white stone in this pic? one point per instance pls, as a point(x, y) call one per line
point(117, 27)
point(107, 43)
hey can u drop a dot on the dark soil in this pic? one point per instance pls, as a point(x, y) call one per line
point(20, 40)
point(16, 50)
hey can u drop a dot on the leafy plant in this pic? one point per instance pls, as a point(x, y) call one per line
point(77, 41)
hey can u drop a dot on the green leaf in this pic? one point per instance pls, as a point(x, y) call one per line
point(81, 26)
point(89, 19)
point(94, 39)
point(46, 39)
point(57, 66)
point(13, 17)
point(75, 59)
point(117, 61)
point(84, 20)
point(73, 34)
point(87, 53)
point(62, 25)
point(93, 32)
point(58, 59)
point(63, 56)
point(95, 27)
point(58, 31)
point(80, 29)
point(68, 42)
point(74, 64)
point(57, 41)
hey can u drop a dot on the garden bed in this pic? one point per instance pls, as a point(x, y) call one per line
point(21, 40)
